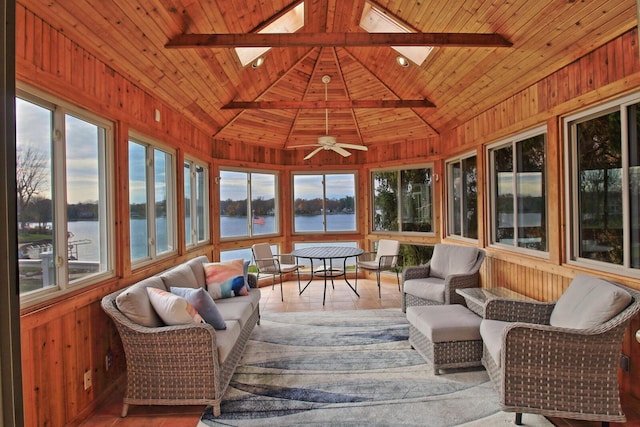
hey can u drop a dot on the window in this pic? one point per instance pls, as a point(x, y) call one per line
point(376, 20)
point(604, 205)
point(64, 196)
point(462, 193)
point(196, 203)
point(287, 23)
point(324, 202)
point(151, 201)
point(518, 191)
point(403, 200)
point(247, 204)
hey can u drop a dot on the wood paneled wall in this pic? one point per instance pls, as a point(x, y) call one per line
point(64, 338)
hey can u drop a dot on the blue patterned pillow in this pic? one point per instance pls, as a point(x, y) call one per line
point(225, 279)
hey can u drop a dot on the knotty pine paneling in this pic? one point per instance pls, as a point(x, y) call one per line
point(61, 340)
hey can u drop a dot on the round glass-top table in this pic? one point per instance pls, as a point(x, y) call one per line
point(328, 256)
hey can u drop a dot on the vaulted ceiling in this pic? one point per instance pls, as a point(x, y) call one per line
point(458, 81)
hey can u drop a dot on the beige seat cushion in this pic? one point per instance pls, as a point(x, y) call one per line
point(230, 309)
point(445, 323)
point(588, 302)
point(431, 288)
point(491, 332)
point(226, 339)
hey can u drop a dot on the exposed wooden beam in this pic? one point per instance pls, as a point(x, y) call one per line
point(337, 39)
point(311, 105)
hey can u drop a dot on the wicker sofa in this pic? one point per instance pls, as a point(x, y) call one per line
point(188, 364)
point(560, 359)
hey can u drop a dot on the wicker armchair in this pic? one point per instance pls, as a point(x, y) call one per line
point(559, 371)
point(451, 267)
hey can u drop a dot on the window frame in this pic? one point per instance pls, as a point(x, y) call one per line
point(572, 234)
point(491, 184)
point(277, 207)
point(193, 208)
point(399, 170)
point(324, 174)
point(60, 109)
point(449, 198)
point(151, 145)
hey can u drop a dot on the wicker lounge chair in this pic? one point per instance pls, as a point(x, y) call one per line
point(451, 267)
point(560, 359)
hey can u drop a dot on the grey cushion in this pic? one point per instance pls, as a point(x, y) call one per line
point(225, 340)
point(134, 302)
point(588, 302)
point(198, 269)
point(445, 323)
point(491, 332)
point(201, 300)
point(452, 259)
point(180, 277)
point(430, 288)
point(231, 309)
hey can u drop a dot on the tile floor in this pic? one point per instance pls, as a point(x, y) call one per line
point(338, 298)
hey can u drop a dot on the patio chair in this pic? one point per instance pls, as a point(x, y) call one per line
point(274, 264)
point(384, 259)
point(560, 359)
point(451, 267)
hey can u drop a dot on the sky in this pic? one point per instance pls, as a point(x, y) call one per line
point(34, 129)
point(234, 185)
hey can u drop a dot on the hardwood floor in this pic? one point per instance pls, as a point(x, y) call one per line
point(338, 298)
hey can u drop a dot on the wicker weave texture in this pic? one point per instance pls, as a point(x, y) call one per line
point(451, 354)
point(452, 282)
point(175, 365)
point(555, 371)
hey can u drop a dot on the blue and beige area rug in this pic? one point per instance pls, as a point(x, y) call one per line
point(351, 368)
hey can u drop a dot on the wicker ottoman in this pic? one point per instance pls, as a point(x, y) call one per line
point(448, 336)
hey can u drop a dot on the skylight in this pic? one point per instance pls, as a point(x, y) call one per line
point(290, 22)
point(375, 20)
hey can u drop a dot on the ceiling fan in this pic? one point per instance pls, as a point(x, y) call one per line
point(327, 142)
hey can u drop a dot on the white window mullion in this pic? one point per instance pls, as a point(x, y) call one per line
point(626, 203)
point(151, 200)
point(59, 194)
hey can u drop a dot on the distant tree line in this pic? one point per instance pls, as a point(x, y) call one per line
point(263, 207)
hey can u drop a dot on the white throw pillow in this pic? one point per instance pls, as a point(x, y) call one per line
point(173, 309)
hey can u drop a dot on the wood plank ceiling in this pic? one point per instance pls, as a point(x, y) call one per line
point(131, 35)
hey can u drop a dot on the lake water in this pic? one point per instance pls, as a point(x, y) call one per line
point(229, 226)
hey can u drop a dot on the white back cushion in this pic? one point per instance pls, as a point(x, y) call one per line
point(452, 259)
point(588, 302)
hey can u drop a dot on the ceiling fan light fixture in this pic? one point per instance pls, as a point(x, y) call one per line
point(402, 61)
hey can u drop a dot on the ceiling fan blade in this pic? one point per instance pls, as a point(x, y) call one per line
point(352, 146)
point(313, 153)
point(340, 150)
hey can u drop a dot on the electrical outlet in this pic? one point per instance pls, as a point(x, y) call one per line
point(625, 363)
point(87, 380)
